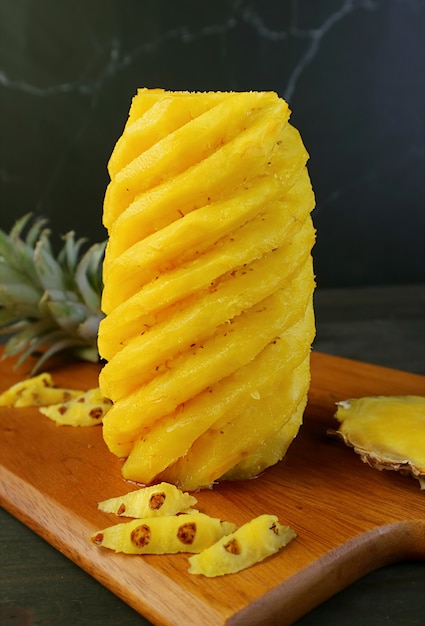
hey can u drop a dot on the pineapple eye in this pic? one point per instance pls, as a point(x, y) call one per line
point(232, 547)
point(156, 501)
point(186, 533)
point(98, 538)
point(141, 535)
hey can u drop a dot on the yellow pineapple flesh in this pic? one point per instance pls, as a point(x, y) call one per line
point(208, 285)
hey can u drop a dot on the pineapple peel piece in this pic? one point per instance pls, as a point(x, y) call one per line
point(249, 544)
point(158, 500)
point(86, 409)
point(163, 535)
point(36, 391)
point(388, 432)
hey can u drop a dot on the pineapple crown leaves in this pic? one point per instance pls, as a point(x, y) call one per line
point(49, 303)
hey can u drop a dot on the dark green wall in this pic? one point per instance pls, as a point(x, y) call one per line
point(351, 70)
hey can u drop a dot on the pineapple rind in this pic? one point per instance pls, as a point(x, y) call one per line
point(88, 408)
point(155, 501)
point(164, 535)
point(388, 432)
point(38, 390)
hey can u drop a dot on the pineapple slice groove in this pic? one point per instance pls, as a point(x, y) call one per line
point(208, 285)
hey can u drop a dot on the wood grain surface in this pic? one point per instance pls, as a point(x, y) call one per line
point(349, 518)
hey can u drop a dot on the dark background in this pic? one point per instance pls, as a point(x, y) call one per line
point(351, 70)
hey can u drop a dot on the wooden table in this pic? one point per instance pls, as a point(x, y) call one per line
point(39, 585)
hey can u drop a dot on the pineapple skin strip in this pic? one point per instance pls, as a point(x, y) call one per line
point(218, 450)
point(87, 409)
point(147, 126)
point(194, 319)
point(249, 544)
point(193, 142)
point(36, 391)
point(172, 436)
point(263, 153)
point(155, 501)
point(232, 345)
point(163, 535)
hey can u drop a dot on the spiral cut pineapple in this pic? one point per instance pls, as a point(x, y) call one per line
point(208, 285)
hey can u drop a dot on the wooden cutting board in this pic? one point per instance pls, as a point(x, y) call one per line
point(349, 518)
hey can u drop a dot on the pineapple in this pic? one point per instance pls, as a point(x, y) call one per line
point(37, 391)
point(208, 285)
point(155, 501)
point(249, 544)
point(169, 534)
point(86, 409)
point(388, 432)
point(48, 304)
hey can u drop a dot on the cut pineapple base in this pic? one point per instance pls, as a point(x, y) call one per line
point(388, 432)
point(208, 285)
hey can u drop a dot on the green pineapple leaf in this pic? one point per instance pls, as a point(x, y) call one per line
point(48, 303)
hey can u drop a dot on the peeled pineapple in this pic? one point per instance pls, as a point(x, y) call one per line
point(388, 432)
point(208, 285)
